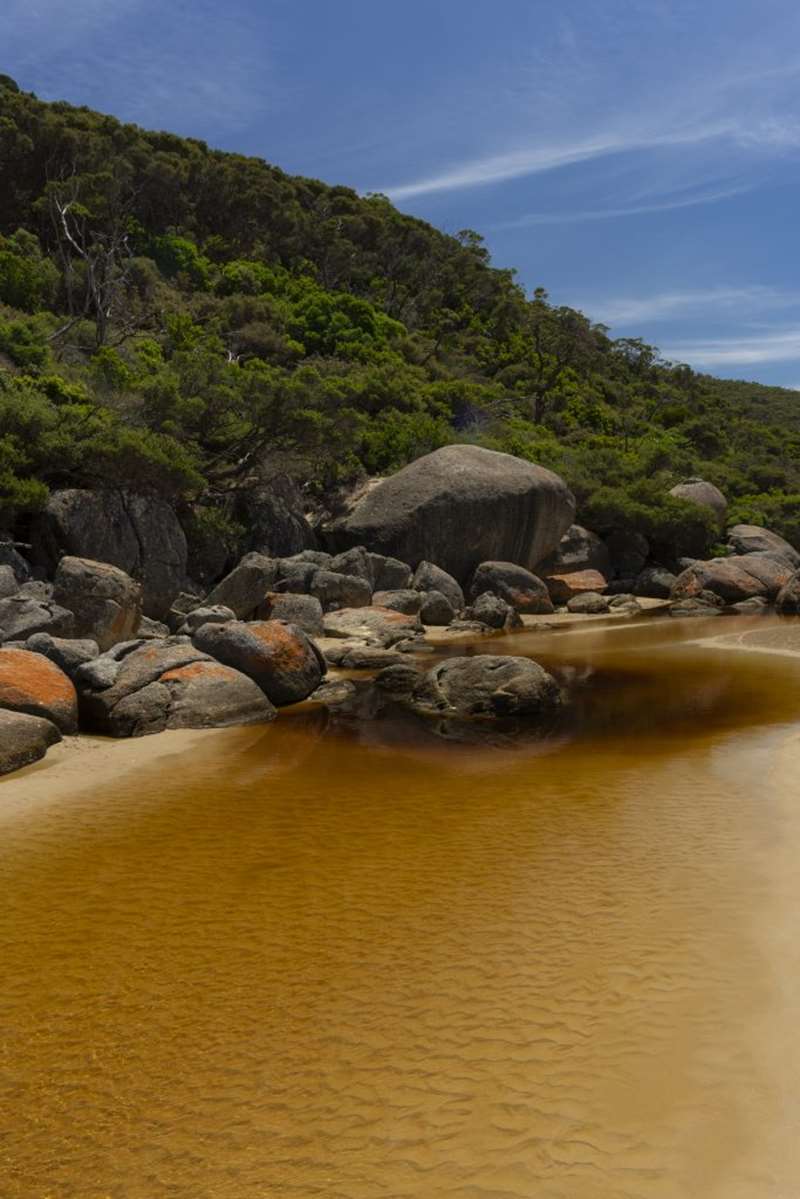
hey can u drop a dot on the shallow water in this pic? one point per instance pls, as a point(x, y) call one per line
point(358, 960)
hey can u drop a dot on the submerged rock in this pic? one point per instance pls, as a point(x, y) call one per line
point(485, 685)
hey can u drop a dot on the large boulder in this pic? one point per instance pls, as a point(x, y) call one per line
point(734, 579)
point(106, 602)
point(166, 685)
point(750, 539)
point(23, 615)
point(517, 586)
point(484, 685)
point(32, 683)
point(578, 550)
point(245, 587)
point(429, 577)
point(24, 739)
point(706, 495)
point(436, 609)
point(279, 657)
point(334, 590)
point(460, 506)
point(139, 534)
point(389, 574)
point(305, 611)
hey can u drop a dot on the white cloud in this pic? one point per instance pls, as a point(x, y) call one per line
point(604, 214)
point(783, 346)
point(746, 301)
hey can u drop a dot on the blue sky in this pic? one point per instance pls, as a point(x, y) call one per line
point(638, 158)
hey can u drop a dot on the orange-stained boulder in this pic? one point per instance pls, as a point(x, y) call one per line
point(278, 656)
point(32, 683)
point(563, 588)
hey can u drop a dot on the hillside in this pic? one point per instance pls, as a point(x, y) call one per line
point(200, 325)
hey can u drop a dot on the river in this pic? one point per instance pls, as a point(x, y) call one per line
point(355, 960)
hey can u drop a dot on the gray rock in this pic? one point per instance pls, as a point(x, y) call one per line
point(305, 611)
point(588, 603)
point(98, 674)
point(390, 574)
point(274, 519)
point(335, 590)
point(436, 609)
point(429, 577)
point(579, 549)
point(788, 599)
point(753, 607)
point(152, 630)
point(369, 657)
point(736, 578)
point(24, 739)
point(750, 539)
point(380, 625)
point(244, 588)
point(624, 602)
point(628, 552)
point(32, 683)
point(219, 614)
point(182, 605)
point(693, 606)
point(494, 612)
point(706, 495)
point(9, 584)
point(10, 556)
point(106, 603)
point(67, 653)
point(20, 616)
point(459, 506)
point(656, 582)
point(407, 601)
point(356, 562)
point(312, 558)
point(168, 685)
point(141, 535)
point(277, 656)
point(38, 589)
point(517, 586)
point(335, 692)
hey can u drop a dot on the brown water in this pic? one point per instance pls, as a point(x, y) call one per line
point(363, 962)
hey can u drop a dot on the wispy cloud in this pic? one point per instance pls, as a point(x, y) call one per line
point(531, 219)
point(750, 300)
point(726, 352)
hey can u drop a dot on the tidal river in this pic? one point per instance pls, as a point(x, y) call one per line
point(355, 960)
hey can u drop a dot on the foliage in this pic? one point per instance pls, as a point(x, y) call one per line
point(177, 319)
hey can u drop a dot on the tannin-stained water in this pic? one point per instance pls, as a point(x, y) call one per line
point(353, 960)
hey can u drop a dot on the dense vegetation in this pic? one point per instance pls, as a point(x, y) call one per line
point(190, 322)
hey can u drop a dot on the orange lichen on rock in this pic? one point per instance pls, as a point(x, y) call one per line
point(32, 683)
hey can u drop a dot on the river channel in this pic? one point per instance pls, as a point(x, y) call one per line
point(351, 959)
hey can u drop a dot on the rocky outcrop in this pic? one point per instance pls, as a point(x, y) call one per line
point(562, 588)
point(526, 593)
point(428, 577)
point(33, 684)
point(243, 590)
point(460, 506)
point(578, 550)
point(23, 615)
point(750, 539)
point(106, 603)
point(480, 686)
point(705, 495)
point(140, 535)
point(734, 579)
point(24, 739)
point(277, 656)
point(167, 685)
